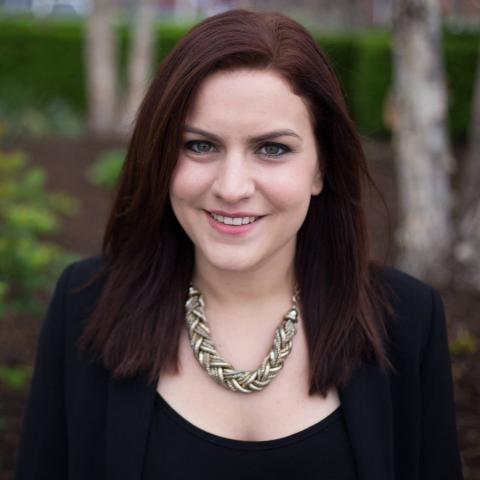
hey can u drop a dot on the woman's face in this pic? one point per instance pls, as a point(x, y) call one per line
point(247, 168)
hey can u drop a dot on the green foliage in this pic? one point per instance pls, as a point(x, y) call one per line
point(461, 57)
point(16, 378)
point(56, 118)
point(372, 78)
point(106, 169)
point(29, 264)
point(465, 343)
point(42, 85)
point(366, 73)
point(42, 64)
point(341, 50)
point(168, 35)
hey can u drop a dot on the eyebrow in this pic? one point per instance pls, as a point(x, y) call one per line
point(255, 139)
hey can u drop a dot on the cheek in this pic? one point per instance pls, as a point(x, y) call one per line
point(188, 181)
point(291, 189)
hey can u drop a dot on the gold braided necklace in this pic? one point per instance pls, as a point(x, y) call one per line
point(219, 369)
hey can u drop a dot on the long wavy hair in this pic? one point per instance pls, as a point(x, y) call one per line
point(147, 258)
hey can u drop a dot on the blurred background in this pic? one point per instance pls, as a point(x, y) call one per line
point(72, 74)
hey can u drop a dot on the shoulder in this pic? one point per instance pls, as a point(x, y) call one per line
point(81, 272)
point(408, 294)
point(78, 289)
point(418, 314)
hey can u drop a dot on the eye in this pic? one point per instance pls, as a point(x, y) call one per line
point(199, 146)
point(272, 149)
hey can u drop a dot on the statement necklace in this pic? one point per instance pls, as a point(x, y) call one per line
point(219, 369)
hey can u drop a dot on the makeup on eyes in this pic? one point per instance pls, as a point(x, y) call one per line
point(284, 149)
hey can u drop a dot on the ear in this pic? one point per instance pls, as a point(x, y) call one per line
point(317, 183)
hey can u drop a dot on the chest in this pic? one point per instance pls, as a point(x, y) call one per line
point(322, 451)
point(281, 409)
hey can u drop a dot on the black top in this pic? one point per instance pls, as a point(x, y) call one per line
point(177, 449)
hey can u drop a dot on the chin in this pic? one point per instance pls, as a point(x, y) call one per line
point(230, 263)
point(237, 266)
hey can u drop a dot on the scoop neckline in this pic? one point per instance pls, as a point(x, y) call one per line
point(247, 444)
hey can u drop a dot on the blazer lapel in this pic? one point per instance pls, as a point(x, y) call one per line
point(130, 404)
point(367, 409)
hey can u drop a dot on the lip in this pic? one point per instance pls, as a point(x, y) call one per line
point(234, 214)
point(231, 229)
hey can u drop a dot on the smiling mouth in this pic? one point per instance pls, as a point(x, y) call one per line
point(234, 221)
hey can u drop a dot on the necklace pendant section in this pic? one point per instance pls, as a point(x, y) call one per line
point(222, 371)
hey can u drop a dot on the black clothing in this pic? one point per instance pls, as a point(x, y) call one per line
point(82, 424)
point(177, 449)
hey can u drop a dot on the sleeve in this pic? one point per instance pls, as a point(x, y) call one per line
point(439, 454)
point(43, 450)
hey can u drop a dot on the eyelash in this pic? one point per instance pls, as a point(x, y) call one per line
point(285, 149)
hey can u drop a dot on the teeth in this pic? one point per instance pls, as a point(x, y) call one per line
point(233, 220)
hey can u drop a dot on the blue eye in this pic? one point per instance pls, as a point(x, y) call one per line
point(199, 146)
point(272, 149)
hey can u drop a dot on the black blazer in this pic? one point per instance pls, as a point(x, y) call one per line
point(80, 424)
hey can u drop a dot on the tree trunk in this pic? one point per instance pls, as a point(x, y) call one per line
point(101, 68)
point(140, 62)
point(422, 148)
point(467, 249)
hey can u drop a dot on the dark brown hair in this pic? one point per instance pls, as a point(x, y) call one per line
point(147, 257)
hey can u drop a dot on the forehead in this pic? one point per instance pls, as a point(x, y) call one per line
point(247, 100)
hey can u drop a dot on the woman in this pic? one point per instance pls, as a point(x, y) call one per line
point(234, 325)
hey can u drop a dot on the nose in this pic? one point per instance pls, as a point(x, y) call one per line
point(233, 181)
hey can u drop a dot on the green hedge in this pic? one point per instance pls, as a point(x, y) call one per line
point(460, 63)
point(42, 62)
point(372, 73)
point(341, 51)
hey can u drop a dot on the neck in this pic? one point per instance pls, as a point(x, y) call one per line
point(245, 291)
